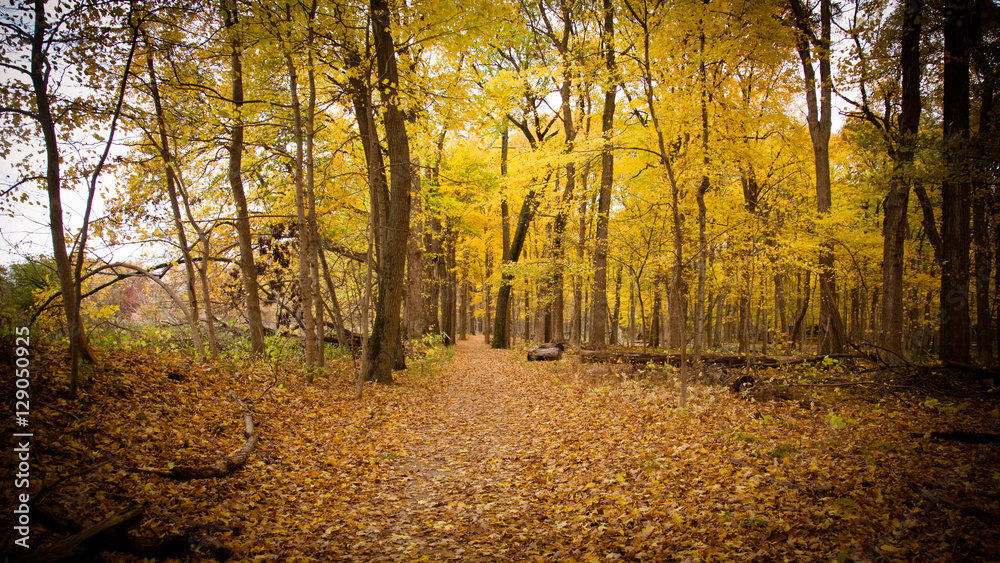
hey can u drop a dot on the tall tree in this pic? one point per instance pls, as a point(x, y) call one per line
point(813, 47)
point(956, 196)
point(385, 329)
point(170, 175)
point(301, 207)
point(896, 202)
point(248, 268)
point(599, 310)
point(894, 88)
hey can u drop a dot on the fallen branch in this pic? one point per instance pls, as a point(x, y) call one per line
point(225, 466)
point(981, 372)
point(111, 534)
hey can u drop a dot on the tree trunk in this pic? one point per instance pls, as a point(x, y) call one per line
point(981, 226)
point(305, 271)
point(616, 315)
point(599, 306)
point(487, 296)
point(819, 117)
point(797, 326)
point(74, 325)
point(699, 307)
point(338, 318)
point(524, 218)
point(955, 189)
point(247, 266)
point(385, 330)
point(654, 325)
point(576, 322)
point(414, 314)
point(897, 201)
point(171, 181)
point(313, 228)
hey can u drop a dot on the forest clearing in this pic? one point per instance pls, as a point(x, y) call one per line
point(478, 455)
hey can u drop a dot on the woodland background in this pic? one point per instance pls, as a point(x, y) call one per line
point(323, 193)
point(634, 172)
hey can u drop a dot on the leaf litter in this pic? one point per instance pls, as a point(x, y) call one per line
point(486, 457)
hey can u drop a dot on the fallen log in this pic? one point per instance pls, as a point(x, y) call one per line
point(226, 465)
point(964, 437)
point(73, 546)
point(112, 534)
point(547, 352)
point(674, 359)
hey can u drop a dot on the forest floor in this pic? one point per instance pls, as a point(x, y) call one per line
point(483, 456)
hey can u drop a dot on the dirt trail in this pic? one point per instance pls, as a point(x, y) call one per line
point(474, 446)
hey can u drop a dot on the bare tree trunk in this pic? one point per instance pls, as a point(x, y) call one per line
point(39, 80)
point(980, 223)
point(487, 295)
point(206, 254)
point(615, 316)
point(699, 307)
point(449, 289)
point(654, 329)
point(314, 247)
point(797, 327)
point(338, 319)
point(819, 118)
point(414, 313)
point(503, 295)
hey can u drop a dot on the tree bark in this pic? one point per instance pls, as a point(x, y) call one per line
point(955, 190)
point(599, 305)
point(64, 271)
point(247, 266)
point(524, 218)
point(487, 296)
point(385, 331)
point(981, 226)
point(310, 167)
point(171, 182)
point(415, 314)
point(304, 228)
point(699, 307)
point(896, 202)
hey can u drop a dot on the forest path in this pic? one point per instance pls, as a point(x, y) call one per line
point(477, 461)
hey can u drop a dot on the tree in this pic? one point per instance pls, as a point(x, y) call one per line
point(956, 196)
point(599, 314)
point(56, 48)
point(896, 87)
point(248, 268)
point(385, 330)
point(818, 47)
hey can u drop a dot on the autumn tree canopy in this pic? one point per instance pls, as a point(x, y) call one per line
point(690, 175)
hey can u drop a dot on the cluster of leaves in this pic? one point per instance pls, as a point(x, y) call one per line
point(483, 456)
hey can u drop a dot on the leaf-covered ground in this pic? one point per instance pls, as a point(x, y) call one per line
point(485, 457)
